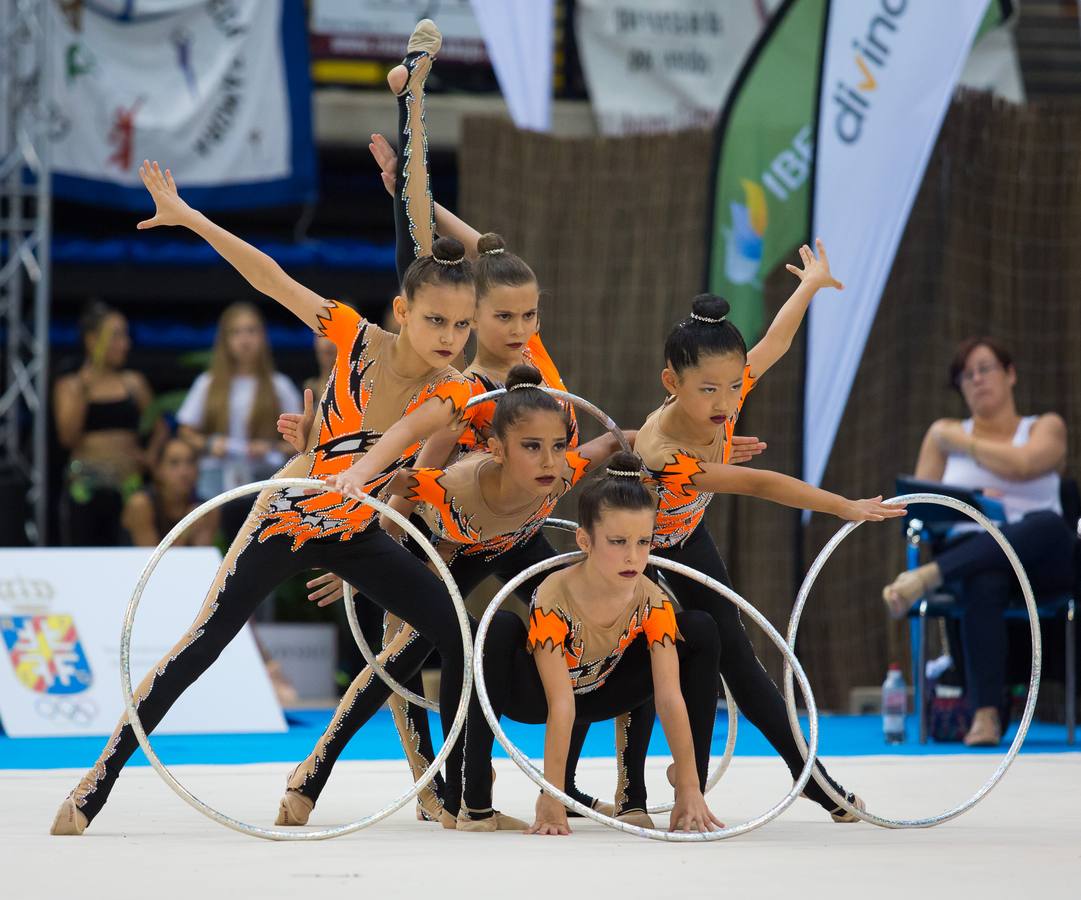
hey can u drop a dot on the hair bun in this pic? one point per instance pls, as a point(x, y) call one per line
point(710, 306)
point(522, 375)
point(448, 251)
point(624, 462)
point(491, 243)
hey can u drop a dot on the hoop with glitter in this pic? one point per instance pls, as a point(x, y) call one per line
point(537, 776)
point(1034, 675)
point(366, 651)
point(730, 702)
point(290, 834)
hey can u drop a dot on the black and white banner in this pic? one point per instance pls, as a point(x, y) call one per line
point(219, 91)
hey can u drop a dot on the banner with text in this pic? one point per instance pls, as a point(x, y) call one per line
point(61, 612)
point(761, 200)
point(380, 29)
point(218, 91)
point(662, 65)
point(889, 71)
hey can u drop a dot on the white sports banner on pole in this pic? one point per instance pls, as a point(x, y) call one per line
point(519, 36)
point(662, 65)
point(380, 29)
point(218, 91)
point(890, 68)
point(61, 614)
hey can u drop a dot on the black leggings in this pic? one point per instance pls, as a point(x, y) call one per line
point(387, 573)
point(411, 651)
point(515, 690)
point(752, 688)
point(1045, 545)
point(632, 744)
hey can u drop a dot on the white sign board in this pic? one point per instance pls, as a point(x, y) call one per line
point(61, 613)
point(379, 29)
point(662, 65)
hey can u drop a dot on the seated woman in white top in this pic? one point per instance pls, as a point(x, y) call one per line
point(230, 415)
point(1017, 460)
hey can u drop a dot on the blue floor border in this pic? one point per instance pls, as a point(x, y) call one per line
point(839, 736)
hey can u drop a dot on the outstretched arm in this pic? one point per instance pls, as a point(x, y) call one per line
point(430, 418)
point(446, 223)
point(690, 812)
point(814, 275)
point(788, 491)
point(551, 817)
point(261, 272)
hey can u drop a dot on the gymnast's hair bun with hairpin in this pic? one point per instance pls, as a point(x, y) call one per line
point(709, 309)
point(491, 243)
point(448, 251)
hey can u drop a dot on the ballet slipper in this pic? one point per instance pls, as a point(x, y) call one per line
point(909, 586)
point(448, 821)
point(294, 809)
point(497, 821)
point(426, 38)
point(986, 730)
point(70, 820)
point(842, 816)
point(605, 809)
point(637, 817)
point(423, 45)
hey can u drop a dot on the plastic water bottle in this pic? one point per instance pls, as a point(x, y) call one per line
point(894, 702)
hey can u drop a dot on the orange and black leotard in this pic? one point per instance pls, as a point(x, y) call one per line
point(591, 651)
point(479, 418)
point(363, 398)
point(453, 506)
point(674, 464)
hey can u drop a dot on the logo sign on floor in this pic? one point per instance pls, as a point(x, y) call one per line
point(61, 612)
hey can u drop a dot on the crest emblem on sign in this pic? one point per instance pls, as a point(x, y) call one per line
point(46, 653)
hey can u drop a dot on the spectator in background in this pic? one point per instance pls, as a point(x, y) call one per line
point(230, 414)
point(151, 513)
point(98, 410)
point(1016, 459)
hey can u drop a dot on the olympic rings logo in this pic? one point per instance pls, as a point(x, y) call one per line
point(77, 712)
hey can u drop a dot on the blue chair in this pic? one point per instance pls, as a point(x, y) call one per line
point(1049, 607)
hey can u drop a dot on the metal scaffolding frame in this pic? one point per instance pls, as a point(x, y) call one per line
point(25, 228)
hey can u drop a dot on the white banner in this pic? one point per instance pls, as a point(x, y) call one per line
point(519, 35)
point(889, 72)
point(61, 612)
point(218, 91)
point(380, 29)
point(662, 65)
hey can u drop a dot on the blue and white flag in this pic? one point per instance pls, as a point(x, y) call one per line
point(218, 91)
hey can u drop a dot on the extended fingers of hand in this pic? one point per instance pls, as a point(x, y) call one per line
point(320, 580)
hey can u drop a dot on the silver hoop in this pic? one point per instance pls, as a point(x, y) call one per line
point(537, 776)
point(1034, 677)
point(366, 651)
point(733, 710)
point(279, 834)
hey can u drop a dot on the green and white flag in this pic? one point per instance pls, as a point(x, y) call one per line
point(827, 132)
point(762, 169)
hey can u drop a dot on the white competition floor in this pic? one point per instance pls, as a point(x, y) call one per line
point(1023, 841)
